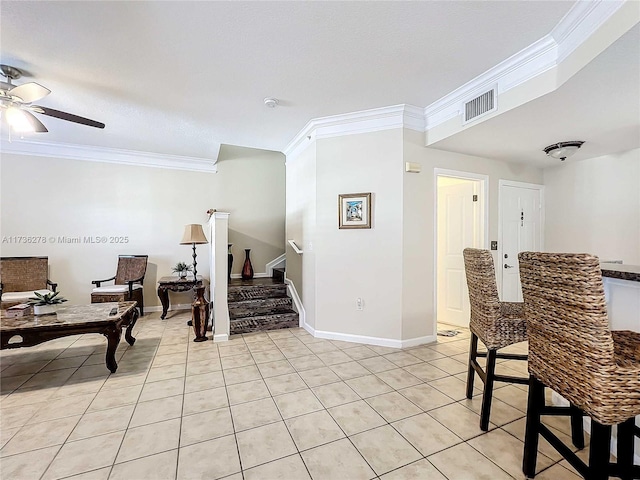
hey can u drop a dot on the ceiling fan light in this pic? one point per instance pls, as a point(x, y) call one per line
point(18, 120)
point(563, 150)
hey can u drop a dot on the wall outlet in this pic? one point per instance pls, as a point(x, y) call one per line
point(359, 304)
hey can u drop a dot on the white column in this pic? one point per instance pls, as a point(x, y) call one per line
point(219, 230)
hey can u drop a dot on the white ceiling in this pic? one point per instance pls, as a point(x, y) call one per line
point(181, 77)
point(599, 105)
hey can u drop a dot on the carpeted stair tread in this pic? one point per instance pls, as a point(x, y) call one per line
point(251, 292)
point(262, 306)
point(264, 322)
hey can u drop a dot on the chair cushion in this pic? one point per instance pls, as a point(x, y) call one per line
point(115, 288)
point(22, 296)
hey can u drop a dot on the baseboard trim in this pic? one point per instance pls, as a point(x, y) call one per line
point(381, 342)
point(414, 342)
point(297, 302)
point(275, 263)
point(221, 337)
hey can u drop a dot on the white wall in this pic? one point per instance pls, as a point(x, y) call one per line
point(419, 255)
point(53, 197)
point(301, 226)
point(250, 185)
point(390, 266)
point(364, 263)
point(593, 206)
point(417, 243)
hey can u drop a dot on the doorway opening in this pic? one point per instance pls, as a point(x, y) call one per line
point(460, 222)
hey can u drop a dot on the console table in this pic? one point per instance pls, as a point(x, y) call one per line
point(107, 319)
point(175, 284)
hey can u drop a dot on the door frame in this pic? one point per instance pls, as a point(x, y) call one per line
point(510, 183)
point(484, 221)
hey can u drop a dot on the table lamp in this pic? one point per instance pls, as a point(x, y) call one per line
point(193, 235)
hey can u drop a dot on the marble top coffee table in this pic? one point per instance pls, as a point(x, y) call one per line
point(107, 319)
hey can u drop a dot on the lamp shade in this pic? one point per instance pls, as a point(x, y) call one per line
point(193, 234)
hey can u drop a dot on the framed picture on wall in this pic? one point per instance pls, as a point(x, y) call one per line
point(354, 210)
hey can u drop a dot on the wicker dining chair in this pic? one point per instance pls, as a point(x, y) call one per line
point(497, 324)
point(21, 277)
point(128, 282)
point(573, 351)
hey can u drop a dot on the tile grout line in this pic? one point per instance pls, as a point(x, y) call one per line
point(279, 412)
point(148, 370)
point(292, 355)
point(233, 426)
point(184, 392)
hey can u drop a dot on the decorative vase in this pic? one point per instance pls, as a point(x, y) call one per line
point(230, 262)
point(200, 315)
point(247, 268)
point(182, 274)
point(44, 309)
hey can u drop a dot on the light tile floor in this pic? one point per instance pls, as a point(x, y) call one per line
point(276, 405)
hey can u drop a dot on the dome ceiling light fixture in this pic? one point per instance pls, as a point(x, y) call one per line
point(271, 102)
point(563, 150)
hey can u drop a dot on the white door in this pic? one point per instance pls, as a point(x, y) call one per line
point(521, 226)
point(459, 226)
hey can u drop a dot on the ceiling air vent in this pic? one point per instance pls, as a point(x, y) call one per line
point(479, 106)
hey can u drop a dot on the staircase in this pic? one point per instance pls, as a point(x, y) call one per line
point(259, 304)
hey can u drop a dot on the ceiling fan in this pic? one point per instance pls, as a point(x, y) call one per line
point(16, 104)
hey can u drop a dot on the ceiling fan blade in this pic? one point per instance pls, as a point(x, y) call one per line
point(69, 117)
point(37, 125)
point(29, 92)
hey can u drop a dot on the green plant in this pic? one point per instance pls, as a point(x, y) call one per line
point(182, 267)
point(46, 299)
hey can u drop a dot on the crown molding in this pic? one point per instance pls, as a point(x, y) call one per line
point(581, 22)
point(583, 19)
point(110, 155)
point(517, 69)
point(385, 118)
point(373, 120)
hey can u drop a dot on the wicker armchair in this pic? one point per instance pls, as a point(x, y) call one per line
point(497, 324)
point(20, 277)
point(573, 351)
point(128, 282)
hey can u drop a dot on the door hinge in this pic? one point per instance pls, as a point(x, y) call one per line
point(475, 198)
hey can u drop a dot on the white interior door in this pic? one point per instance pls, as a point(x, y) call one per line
point(521, 219)
point(459, 224)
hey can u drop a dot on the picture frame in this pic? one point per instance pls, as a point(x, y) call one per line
point(354, 210)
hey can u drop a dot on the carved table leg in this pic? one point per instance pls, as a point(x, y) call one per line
point(195, 296)
point(113, 339)
point(163, 293)
point(127, 334)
